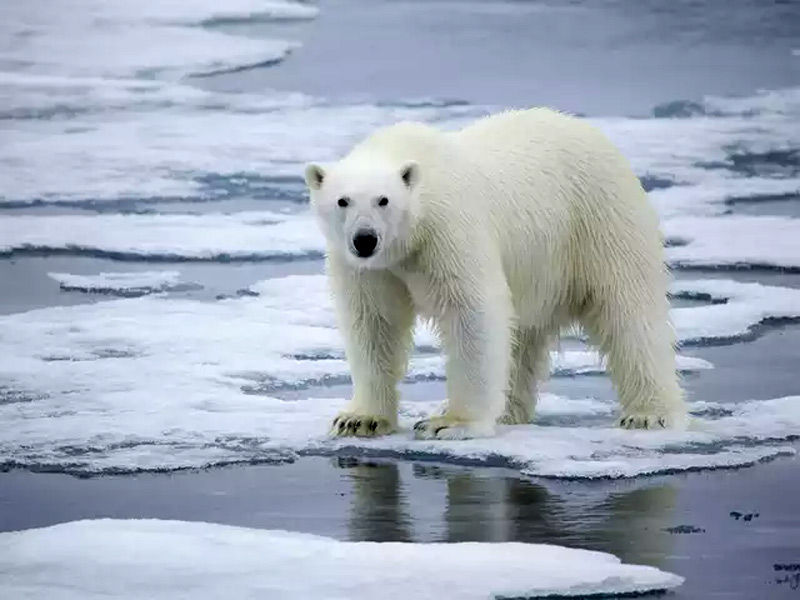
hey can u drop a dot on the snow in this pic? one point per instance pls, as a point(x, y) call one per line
point(175, 559)
point(159, 383)
point(735, 241)
point(135, 283)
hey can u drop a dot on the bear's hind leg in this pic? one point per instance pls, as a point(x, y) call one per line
point(530, 364)
point(637, 339)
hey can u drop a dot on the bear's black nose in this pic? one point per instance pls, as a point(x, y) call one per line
point(365, 242)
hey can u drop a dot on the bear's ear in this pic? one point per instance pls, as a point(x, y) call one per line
point(315, 175)
point(409, 172)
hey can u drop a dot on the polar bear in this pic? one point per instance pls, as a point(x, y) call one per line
point(501, 234)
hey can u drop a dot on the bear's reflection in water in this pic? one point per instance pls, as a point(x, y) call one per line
point(625, 518)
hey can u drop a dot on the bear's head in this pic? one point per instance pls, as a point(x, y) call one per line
point(366, 208)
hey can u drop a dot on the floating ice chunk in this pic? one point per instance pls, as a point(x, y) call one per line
point(734, 241)
point(134, 283)
point(137, 40)
point(154, 383)
point(739, 308)
point(171, 559)
point(247, 235)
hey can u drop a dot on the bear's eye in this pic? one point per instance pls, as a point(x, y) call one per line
point(343, 202)
point(383, 201)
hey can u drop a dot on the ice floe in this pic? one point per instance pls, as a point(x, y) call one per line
point(154, 383)
point(760, 241)
point(146, 40)
point(176, 559)
point(734, 241)
point(735, 312)
point(135, 283)
point(238, 236)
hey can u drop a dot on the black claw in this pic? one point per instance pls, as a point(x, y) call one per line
point(341, 426)
point(438, 429)
point(358, 424)
point(373, 425)
point(662, 422)
point(419, 425)
point(335, 421)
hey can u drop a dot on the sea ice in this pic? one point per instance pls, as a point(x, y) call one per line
point(177, 559)
point(238, 236)
point(735, 241)
point(761, 241)
point(154, 383)
point(135, 283)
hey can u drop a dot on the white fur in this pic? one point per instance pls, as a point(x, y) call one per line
point(504, 233)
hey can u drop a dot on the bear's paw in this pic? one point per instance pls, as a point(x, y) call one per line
point(446, 427)
point(360, 425)
point(645, 421)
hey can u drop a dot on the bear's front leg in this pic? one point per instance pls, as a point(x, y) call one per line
point(376, 317)
point(476, 331)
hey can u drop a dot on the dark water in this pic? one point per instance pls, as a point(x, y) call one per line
point(600, 57)
point(26, 284)
point(686, 524)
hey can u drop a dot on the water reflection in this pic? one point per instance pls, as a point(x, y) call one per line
point(626, 518)
point(379, 511)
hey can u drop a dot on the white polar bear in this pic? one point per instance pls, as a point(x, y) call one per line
point(501, 234)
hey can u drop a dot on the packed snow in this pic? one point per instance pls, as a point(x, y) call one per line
point(136, 283)
point(177, 559)
point(156, 383)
